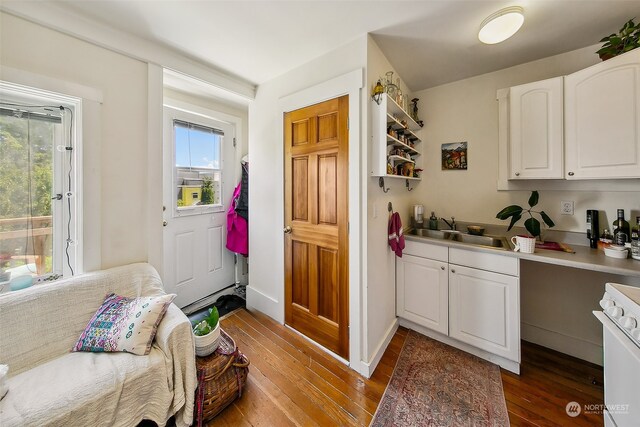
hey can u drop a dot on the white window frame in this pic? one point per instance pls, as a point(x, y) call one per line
point(61, 215)
point(172, 113)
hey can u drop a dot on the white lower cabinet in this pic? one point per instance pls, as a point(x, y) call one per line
point(484, 310)
point(470, 298)
point(423, 292)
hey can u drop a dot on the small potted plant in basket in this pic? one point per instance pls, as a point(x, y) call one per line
point(523, 243)
point(207, 333)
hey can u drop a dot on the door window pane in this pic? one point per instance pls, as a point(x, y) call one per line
point(198, 164)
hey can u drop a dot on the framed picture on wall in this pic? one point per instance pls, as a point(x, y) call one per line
point(454, 156)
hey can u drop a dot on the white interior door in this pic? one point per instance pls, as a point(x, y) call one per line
point(197, 147)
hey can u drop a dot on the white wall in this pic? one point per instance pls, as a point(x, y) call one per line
point(556, 302)
point(467, 110)
point(114, 134)
point(380, 260)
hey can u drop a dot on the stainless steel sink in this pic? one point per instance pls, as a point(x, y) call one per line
point(491, 241)
point(496, 242)
point(434, 234)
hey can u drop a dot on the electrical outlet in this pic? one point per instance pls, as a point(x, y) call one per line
point(566, 207)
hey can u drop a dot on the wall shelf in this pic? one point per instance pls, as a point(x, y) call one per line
point(394, 139)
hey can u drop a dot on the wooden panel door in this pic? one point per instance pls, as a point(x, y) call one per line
point(316, 227)
point(536, 132)
point(602, 119)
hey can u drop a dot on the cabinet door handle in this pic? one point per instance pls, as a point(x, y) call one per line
point(442, 267)
point(570, 174)
point(452, 270)
point(517, 173)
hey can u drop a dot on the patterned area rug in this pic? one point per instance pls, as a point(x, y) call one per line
point(436, 385)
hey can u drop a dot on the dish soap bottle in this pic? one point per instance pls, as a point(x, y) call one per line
point(433, 221)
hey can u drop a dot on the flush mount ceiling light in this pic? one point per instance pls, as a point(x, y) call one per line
point(501, 25)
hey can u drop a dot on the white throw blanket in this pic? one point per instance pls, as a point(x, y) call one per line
point(49, 385)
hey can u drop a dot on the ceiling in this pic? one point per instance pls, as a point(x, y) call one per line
point(428, 42)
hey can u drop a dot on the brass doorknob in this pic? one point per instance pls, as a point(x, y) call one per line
point(287, 229)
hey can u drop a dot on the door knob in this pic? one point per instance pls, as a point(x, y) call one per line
point(287, 229)
point(164, 223)
point(517, 173)
point(570, 174)
point(441, 267)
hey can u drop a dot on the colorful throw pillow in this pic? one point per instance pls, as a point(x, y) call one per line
point(124, 324)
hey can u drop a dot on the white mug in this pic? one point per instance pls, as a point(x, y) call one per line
point(524, 244)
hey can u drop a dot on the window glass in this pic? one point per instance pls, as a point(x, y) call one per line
point(36, 221)
point(198, 164)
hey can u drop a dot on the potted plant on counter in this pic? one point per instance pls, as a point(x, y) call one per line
point(207, 333)
point(531, 224)
point(628, 38)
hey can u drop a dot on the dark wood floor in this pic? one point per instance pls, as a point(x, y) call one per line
point(548, 381)
point(291, 382)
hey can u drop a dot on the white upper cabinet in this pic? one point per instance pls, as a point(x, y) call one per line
point(602, 119)
point(596, 124)
point(536, 132)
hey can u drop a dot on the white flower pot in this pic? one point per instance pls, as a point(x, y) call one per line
point(207, 344)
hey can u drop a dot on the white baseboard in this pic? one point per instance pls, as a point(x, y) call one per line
point(265, 304)
point(576, 347)
point(507, 364)
point(370, 367)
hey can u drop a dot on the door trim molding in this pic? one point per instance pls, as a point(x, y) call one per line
point(350, 84)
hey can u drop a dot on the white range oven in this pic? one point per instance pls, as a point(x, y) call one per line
point(620, 318)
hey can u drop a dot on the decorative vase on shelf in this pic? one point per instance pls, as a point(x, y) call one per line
point(391, 88)
point(389, 75)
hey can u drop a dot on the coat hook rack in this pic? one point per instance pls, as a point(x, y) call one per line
point(408, 189)
point(390, 207)
point(381, 184)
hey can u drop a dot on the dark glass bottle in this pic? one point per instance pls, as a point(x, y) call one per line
point(621, 232)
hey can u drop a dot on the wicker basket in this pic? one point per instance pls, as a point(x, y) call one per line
point(221, 378)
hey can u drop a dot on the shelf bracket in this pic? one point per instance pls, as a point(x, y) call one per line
point(408, 188)
point(381, 184)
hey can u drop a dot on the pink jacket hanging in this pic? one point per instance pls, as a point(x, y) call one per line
point(237, 227)
point(396, 238)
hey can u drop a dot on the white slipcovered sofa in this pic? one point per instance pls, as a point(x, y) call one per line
point(51, 386)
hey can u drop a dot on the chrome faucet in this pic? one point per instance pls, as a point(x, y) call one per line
point(451, 225)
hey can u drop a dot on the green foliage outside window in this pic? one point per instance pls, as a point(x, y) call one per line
point(207, 191)
point(14, 167)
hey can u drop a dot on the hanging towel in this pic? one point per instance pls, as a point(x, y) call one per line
point(396, 239)
point(237, 227)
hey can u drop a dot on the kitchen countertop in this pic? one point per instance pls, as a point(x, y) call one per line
point(585, 258)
